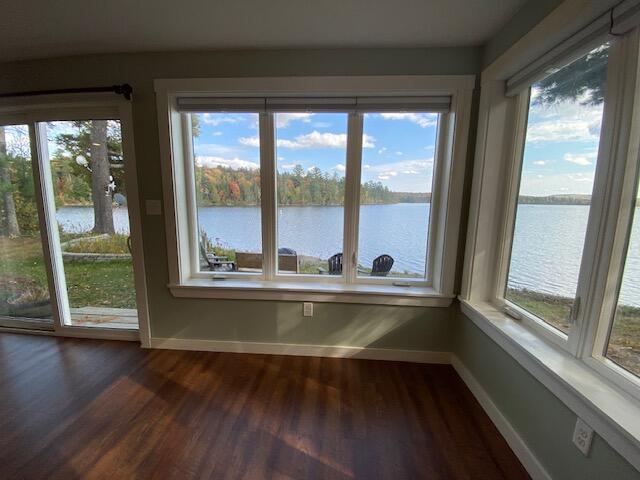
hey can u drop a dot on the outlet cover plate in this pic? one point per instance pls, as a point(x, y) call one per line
point(307, 309)
point(583, 436)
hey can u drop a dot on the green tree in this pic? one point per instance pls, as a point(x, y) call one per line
point(583, 80)
point(10, 218)
point(91, 155)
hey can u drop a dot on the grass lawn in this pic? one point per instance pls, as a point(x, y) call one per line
point(624, 344)
point(96, 284)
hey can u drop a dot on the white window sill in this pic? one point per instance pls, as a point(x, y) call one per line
point(310, 291)
point(611, 412)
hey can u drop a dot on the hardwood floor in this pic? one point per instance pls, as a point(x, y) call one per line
point(103, 409)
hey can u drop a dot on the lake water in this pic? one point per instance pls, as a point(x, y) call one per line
point(546, 253)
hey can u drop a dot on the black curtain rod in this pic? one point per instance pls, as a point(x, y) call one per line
point(125, 90)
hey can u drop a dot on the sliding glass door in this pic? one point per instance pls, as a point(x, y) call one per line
point(86, 165)
point(24, 293)
point(70, 258)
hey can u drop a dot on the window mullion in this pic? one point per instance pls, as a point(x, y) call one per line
point(352, 196)
point(48, 225)
point(268, 195)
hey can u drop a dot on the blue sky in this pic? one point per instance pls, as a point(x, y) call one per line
point(398, 148)
point(561, 148)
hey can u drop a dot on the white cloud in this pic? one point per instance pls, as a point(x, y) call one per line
point(540, 185)
point(399, 153)
point(402, 176)
point(250, 141)
point(217, 134)
point(540, 162)
point(340, 167)
point(215, 150)
point(288, 166)
point(387, 175)
point(317, 139)
point(284, 119)
point(580, 177)
point(422, 119)
point(564, 122)
point(420, 166)
point(577, 159)
point(233, 163)
point(215, 119)
point(382, 150)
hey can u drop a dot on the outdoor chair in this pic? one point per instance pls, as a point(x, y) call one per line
point(335, 265)
point(216, 263)
point(382, 266)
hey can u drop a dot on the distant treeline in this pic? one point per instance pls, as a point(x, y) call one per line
point(226, 186)
point(567, 199)
point(411, 197)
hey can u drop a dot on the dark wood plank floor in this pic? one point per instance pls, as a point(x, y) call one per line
point(102, 409)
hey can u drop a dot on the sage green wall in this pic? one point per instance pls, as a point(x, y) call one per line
point(524, 20)
point(540, 418)
point(255, 321)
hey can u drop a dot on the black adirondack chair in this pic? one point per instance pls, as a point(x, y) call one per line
point(382, 265)
point(335, 264)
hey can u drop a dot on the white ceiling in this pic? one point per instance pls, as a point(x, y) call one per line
point(41, 28)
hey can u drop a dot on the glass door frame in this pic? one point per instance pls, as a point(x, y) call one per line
point(32, 111)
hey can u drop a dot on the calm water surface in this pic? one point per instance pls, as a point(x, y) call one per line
point(546, 255)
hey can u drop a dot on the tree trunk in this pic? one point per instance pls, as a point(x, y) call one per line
point(12, 227)
point(100, 179)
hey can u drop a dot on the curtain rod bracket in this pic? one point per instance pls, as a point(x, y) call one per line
point(125, 90)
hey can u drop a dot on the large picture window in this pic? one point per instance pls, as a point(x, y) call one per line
point(570, 272)
point(335, 196)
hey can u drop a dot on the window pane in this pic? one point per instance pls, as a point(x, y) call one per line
point(311, 152)
point(23, 279)
point(226, 149)
point(395, 195)
point(560, 153)
point(624, 340)
point(87, 167)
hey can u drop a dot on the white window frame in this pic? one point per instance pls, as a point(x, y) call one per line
point(437, 290)
point(32, 111)
point(573, 367)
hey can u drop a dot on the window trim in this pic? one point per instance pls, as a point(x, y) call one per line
point(181, 274)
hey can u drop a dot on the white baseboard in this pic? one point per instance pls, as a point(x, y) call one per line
point(517, 444)
point(367, 353)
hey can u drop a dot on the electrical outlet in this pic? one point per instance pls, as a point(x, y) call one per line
point(582, 436)
point(307, 309)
